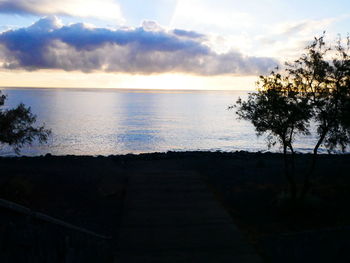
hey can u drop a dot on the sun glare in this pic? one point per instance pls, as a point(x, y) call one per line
point(54, 78)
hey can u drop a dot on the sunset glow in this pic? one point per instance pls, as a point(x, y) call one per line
point(164, 44)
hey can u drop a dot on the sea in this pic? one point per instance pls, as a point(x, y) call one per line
point(114, 121)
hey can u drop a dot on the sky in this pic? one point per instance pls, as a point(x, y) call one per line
point(158, 44)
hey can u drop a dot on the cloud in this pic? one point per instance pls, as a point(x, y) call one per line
point(48, 44)
point(107, 9)
point(289, 39)
point(304, 27)
point(186, 33)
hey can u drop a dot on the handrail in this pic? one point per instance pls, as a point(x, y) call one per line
point(37, 215)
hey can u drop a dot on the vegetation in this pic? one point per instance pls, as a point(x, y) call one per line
point(17, 126)
point(313, 89)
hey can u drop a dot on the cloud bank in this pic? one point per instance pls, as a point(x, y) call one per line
point(106, 9)
point(48, 44)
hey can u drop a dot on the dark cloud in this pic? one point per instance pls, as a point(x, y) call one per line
point(48, 45)
point(186, 33)
point(105, 9)
point(13, 7)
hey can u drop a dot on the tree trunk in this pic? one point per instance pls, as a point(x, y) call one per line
point(290, 178)
point(307, 184)
point(292, 160)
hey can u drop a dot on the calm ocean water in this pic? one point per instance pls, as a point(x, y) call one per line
point(104, 122)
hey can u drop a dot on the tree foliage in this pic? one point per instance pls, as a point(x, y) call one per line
point(277, 109)
point(17, 126)
point(323, 75)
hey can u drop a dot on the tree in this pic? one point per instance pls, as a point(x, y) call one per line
point(279, 110)
point(315, 87)
point(17, 126)
point(322, 75)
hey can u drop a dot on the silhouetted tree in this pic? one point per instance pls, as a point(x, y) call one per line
point(279, 110)
point(315, 87)
point(322, 75)
point(17, 126)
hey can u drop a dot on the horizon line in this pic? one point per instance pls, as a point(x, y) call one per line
point(135, 90)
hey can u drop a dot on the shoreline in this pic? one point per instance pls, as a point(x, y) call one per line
point(171, 154)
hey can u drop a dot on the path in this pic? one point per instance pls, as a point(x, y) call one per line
point(173, 217)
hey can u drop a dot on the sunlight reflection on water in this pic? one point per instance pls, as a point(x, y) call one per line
point(104, 122)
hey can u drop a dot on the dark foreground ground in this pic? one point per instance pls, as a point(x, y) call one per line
point(89, 192)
